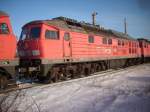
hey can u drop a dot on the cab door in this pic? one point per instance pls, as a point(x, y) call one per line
point(66, 45)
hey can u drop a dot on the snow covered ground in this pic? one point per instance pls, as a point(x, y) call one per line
point(128, 91)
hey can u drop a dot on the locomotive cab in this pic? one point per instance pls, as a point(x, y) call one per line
point(39, 41)
point(8, 42)
point(36, 47)
point(7, 38)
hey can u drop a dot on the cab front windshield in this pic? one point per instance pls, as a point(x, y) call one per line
point(32, 33)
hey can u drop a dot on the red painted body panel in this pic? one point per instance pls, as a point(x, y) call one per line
point(52, 49)
point(7, 41)
point(81, 48)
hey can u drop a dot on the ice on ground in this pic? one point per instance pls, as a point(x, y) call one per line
point(128, 91)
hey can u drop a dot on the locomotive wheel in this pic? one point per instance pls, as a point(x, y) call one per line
point(72, 74)
point(103, 66)
point(3, 82)
point(68, 74)
point(98, 68)
point(80, 71)
point(54, 75)
point(86, 71)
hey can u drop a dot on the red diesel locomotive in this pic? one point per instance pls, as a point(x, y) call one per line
point(64, 48)
point(8, 42)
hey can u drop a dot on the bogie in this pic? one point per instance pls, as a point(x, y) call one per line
point(3, 81)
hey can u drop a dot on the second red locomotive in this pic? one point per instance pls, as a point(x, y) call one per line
point(8, 42)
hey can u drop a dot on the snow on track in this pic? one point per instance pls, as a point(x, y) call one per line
point(124, 91)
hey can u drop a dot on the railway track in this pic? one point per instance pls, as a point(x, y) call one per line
point(102, 75)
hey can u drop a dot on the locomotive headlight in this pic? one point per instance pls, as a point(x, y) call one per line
point(35, 52)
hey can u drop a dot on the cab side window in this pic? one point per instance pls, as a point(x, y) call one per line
point(122, 43)
point(4, 28)
point(91, 39)
point(49, 34)
point(119, 42)
point(109, 41)
point(67, 36)
point(104, 40)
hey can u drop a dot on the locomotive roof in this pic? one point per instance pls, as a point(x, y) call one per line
point(122, 35)
point(2, 13)
point(83, 27)
point(143, 39)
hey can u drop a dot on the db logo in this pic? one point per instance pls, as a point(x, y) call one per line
point(108, 51)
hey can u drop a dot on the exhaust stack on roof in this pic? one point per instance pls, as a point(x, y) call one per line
point(125, 26)
point(94, 18)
